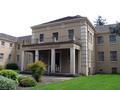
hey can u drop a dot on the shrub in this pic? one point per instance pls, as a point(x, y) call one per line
point(37, 69)
point(26, 81)
point(7, 84)
point(9, 74)
point(12, 66)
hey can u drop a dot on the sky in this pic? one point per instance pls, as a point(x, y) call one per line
point(17, 16)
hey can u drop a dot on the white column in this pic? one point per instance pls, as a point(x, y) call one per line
point(22, 61)
point(52, 60)
point(36, 55)
point(79, 62)
point(72, 60)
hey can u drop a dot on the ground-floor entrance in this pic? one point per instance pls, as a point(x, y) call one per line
point(58, 61)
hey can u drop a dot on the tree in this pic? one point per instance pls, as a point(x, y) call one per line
point(100, 21)
point(116, 29)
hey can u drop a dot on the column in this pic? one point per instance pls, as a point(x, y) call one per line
point(36, 55)
point(52, 60)
point(22, 60)
point(79, 62)
point(72, 60)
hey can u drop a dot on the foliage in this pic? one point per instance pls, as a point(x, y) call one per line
point(7, 84)
point(95, 82)
point(26, 81)
point(9, 74)
point(37, 69)
point(12, 66)
point(1, 67)
point(116, 29)
point(100, 21)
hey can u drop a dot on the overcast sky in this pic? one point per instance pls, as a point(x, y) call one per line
point(17, 16)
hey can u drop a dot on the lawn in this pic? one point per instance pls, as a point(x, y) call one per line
point(96, 82)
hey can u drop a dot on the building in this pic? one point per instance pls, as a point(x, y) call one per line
point(7, 48)
point(68, 46)
point(107, 50)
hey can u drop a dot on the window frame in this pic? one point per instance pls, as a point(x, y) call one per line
point(112, 40)
point(71, 34)
point(101, 56)
point(41, 39)
point(55, 36)
point(113, 57)
point(100, 40)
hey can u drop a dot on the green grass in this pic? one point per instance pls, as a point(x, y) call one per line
point(97, 82)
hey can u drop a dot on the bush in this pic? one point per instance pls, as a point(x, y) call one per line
point(37, 69)
point(26, 81)
point(12, 66)
point(7, 84)
point(9, 74)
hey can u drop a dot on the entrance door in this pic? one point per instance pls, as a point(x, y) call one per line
point(57, 62)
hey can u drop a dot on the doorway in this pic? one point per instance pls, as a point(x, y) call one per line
point(57, 62)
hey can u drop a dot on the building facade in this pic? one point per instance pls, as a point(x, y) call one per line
point(107, 50)
point(70, 46)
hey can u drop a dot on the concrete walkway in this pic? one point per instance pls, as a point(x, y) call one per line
point(49, 79)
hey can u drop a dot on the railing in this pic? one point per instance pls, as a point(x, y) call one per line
point(55, 39)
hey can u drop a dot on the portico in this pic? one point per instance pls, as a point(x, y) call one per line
point(59, 59)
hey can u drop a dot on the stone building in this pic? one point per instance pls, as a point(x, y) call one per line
point(68, 46)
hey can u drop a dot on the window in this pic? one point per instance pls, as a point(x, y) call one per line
point(100, 39)
point(18, 58)
point(113, 55)
point(112, 38)
point(1, 56)
point(100, 71)
point(55, 36)
point(3, 43)
point(71, 34)
point(18, 47)
point(41, 37)
point(114, 70)
point(11, 44)
point(101, 56)
point(89, 37)
point(10, 57)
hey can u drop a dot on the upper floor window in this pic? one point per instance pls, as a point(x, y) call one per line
point(18, 46)
point(90, 39)
point(71, 34)
point(113, 55)
point(55, 36)
point(1, 56)
point(101, 56)
point(3, 43)
point(41, 37)
point(100, 40)
point(11, 44)
point(112, 38)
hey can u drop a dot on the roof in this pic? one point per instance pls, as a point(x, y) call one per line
point(14, 39)
point(104, 28)
point(65, 18)
point(8, 37)
point(24, 38)
point(60, 20)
